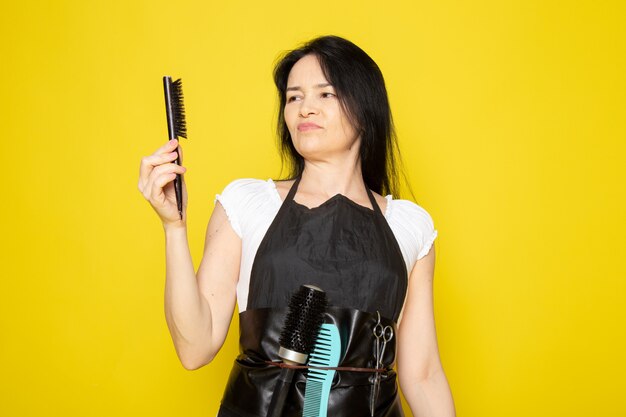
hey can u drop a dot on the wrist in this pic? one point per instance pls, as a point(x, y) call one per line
point(175, 227)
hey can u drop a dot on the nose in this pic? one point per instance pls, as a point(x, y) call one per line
point(308, 106)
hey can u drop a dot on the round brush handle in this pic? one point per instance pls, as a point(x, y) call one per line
point(281, 390)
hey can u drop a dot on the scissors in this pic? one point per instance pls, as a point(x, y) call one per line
point(383, 334)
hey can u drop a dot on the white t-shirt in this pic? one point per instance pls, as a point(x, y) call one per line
point(251, 205)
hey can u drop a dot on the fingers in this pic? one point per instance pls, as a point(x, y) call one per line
point(159, 183)
point(166, 153)
point(149, 161)
point(156, 172)
point(168, 146)
point(160, 176)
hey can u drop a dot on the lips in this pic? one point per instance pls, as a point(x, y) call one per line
point(308, 126)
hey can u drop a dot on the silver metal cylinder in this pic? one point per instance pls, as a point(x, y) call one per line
point(292, 356)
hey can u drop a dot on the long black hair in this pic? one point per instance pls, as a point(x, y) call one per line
point(361, 91)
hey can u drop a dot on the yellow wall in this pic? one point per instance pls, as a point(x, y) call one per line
point(511, 122)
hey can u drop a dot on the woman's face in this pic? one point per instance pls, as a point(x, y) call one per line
point(319, 129)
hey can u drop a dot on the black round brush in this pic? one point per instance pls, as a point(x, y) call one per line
point(302, 324)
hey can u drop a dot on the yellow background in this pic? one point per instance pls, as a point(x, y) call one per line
point(511, 122)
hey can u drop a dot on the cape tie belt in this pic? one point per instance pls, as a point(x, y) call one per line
point(327, 368)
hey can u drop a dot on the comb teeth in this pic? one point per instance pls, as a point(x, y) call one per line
point(178, 108)
point(319, 381)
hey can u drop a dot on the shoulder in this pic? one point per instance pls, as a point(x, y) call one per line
point(413, 224)
point(246, 186)
point(406, 211)
point(244, 196)
point(283, 187)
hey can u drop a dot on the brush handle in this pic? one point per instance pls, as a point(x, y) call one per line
point(178, 188)
point(280, 392)
point(169, 111)
point(171, 133)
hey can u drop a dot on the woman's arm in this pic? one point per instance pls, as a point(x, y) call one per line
point(199, 309)
point(198, 320)
point(422, 379)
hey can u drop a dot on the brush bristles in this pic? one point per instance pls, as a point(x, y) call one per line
point(178, 108)
point(304, 319)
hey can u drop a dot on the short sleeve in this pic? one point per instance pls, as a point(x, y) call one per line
point(239, 199)
point(414, 230)
point(428, 238)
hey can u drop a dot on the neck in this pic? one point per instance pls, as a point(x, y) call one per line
point(326, 179)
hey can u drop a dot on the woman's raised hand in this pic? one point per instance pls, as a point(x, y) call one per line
point(156, 182)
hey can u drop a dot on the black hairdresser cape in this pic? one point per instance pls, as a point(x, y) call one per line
point(350, 252)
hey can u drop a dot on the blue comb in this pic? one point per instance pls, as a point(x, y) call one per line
point(325, 354)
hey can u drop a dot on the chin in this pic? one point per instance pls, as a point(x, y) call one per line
point(310, 144)
point(310, 152)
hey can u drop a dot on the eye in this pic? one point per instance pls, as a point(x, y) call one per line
point(290, 99)
point(324, 94)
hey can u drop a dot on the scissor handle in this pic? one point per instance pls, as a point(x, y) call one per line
point(379, 331)
point(387, 333)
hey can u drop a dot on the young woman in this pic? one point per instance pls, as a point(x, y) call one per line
point(333, 224)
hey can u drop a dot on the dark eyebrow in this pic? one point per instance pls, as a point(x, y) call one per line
point(318, 86)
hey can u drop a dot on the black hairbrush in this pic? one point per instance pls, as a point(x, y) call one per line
point(302, 324)
point(176, 126)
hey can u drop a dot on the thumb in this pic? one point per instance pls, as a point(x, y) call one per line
point(180, 153)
